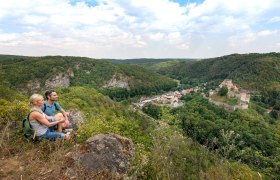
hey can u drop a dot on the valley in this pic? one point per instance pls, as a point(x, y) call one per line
point(208, 126)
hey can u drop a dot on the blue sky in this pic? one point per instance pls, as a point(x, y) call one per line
point(124, 29)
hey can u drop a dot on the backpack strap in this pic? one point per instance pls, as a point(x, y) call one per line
point(34, 110)
point(45, 107)
point(55, 105)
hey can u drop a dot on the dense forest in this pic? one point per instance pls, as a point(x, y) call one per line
point(144, 61)
point(257, 72)
point(154, 65)
point(248, 136)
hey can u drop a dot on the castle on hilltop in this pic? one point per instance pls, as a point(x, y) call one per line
point(228, 83)
point(243, 96)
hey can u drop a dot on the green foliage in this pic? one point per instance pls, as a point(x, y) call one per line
point(16, 72)
point(232, 101)
point(277, 105)
point(161, 151)
point(152, 110)
point(12, 112)
point(174, 156)
point(269, 100)
point(275, 114)
point(117, 94)
point(147, 61)
point(223, 91)
point(104, 115)
point(259, 72)
point(242, 135)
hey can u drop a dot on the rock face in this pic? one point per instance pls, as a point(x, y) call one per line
point(76, 117)
point(32, 86)
point(59, 80)
point(118, 80)
point(108, 153)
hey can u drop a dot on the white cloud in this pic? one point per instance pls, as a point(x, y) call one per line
point(157, 36)
point(183, 46)
point(267, 33)
point(242, 39)
point(174, 37)
point(34, 20)
point(5, 37)
point(275, 19)
point(157, 27)
point(249, 37)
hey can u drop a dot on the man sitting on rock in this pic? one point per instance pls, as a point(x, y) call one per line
point(51, 106)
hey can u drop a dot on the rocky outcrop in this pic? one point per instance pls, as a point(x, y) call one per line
point(76, 118)
point(106, 154)
point(118, 80)
point(33, 86)
point(59, 80)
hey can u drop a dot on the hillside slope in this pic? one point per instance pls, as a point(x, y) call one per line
point(153, 65)
point(250, 71)
point(36, 73)
point(161, 151)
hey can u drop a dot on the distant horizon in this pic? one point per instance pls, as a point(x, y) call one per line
point(137, 58)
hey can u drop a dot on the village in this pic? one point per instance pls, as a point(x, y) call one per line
point(173, 99)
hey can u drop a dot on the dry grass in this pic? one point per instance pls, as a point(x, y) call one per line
point(21, 159)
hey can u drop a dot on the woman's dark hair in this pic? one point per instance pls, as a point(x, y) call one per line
point(48, 92)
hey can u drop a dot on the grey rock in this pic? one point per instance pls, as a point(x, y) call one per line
point(76, 118)
point(59, 80)
point(33, 86)
point(71, 173)
point(110, 153)
point(118, 80)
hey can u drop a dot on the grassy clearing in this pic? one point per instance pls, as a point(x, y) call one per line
point(224, 99)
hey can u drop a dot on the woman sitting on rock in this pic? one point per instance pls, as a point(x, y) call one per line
point(39, 120)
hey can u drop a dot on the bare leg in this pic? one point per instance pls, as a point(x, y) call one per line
point(59, 116)
point(59, 127)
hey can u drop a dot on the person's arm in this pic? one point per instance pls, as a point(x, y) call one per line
point(52, 118)
point(43, 120)
point(65, 114)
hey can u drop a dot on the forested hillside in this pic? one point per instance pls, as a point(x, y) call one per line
point(19, 72)
point(146, 60)
point(259, 72)
point(152, 64)
point(248, 136)
point(161, 151)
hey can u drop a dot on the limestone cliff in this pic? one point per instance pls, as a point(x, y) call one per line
point(59, 80)
point(118, 80)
